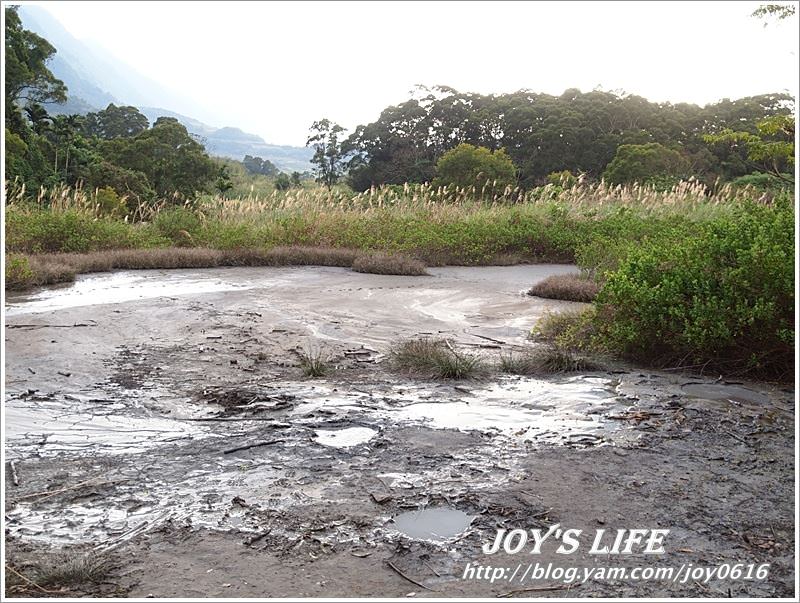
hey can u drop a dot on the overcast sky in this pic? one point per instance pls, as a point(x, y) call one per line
point(273, 68)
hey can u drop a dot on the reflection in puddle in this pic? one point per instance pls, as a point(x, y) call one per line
point(344, 438)
point(437, 524)
point(116, 288)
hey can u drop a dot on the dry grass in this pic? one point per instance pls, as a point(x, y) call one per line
point(684, 196)
point(314, 363)
point(383, 263)
point(26, 271)
point(435, 359)
point(568, 287)
point(546, 361)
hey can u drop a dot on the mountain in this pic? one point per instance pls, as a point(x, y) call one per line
point(94, 79)
point(235, 144)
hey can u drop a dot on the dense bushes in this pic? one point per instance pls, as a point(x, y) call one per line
point(723, 296)
point(41, 231)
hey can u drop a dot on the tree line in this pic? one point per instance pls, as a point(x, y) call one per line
point(599, 134)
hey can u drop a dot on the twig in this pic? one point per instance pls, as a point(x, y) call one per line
point(49, 493)
point(535, 589)
point(249, 446)
point(77, 324)
point(395, 568)
point(488, 338)
point(736, 437)
point(14, 476)
point(31, 582)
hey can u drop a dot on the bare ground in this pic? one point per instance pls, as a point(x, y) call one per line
point(123, 419)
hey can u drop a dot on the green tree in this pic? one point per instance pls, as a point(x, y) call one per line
point(27, 78)
point(328, 154)
point(645, 163)
point(175, 165)
point(257, 165)
point(223, 182)
point(468, 165)
point(282, 182)
point(115, 122)
point(769, 151)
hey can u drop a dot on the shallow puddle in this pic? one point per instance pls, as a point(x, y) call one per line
point(722, 392)
point(116, 288)
point(344, 438)
point(437, 524)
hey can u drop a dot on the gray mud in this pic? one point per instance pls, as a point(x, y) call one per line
point(160, 419)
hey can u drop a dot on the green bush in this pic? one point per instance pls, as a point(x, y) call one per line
point(722, 297)
point(18, 272)
point(645, 162)
point(42, 231)
point(180, 225)
point(468, 165)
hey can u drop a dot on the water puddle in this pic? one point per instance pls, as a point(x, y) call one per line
point(436, 524)
point(344, 438)
point(116, 288)
point(53, 426)
point(546, 411)
point(722, 392)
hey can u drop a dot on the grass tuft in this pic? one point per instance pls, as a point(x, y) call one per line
point(67, 568)
point(567, 287)
point(314, 363)
point(435, 359)
point(546, 361)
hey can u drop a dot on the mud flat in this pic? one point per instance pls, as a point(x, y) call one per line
point(160, 420)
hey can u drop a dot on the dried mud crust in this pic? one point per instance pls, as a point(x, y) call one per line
point(229, 492)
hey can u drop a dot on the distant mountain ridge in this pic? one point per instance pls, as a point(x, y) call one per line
point(94, 80)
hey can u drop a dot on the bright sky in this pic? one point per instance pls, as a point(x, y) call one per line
point(273, 68)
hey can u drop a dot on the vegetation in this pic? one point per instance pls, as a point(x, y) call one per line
point(382, 263)
point(646, 163)
point(681, 216)
point(569, 287)
point(435, 359)
point(545, 361)
point(470, 166)
point(314, 363)
point(542, 134)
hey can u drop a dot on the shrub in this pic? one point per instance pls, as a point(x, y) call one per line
point(569, 287)
point(723, 297)
point(18, 272)
point(467, 166)
point(180, 225)
point(382, 263)
point(571, 330)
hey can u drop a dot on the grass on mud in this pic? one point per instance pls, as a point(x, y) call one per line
point(546, 361)
point(55, 573)
point(435, 359)
point(314, 363)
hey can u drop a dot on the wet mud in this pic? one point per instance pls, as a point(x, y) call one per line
point(161, 419)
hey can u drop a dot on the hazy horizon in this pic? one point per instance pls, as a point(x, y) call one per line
point(274, 68)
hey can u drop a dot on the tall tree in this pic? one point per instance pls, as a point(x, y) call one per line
point(27, 77)
point(328, 154)
point(116, 122)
